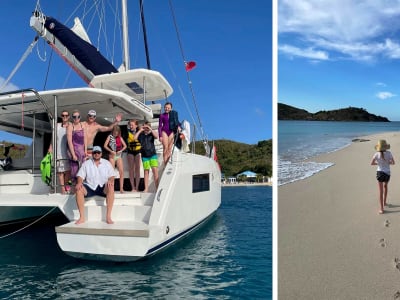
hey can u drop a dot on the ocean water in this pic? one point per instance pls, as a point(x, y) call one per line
point(230, 257)
point(302, 140)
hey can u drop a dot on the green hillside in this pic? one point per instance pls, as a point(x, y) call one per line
point(287, 112)
point(235, 157)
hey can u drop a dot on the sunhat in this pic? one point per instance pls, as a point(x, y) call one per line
point(382, 145)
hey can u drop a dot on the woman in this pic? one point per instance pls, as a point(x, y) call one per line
point(77, 144)
point(63, 165)
point(115, 145)
point(383, 159)
point(134, 159)
point(167, 128)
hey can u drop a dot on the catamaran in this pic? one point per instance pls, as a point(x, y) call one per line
point(189, 190)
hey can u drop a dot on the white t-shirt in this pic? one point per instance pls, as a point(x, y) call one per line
point(383, 161)
point(94, 175)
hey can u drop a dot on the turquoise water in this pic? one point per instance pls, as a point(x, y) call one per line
point(300, 140)
point(228, 258)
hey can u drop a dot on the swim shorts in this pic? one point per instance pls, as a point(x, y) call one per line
point(99, 191)
point(382, 176)
point(150, 162)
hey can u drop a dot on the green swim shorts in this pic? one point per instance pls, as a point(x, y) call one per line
point(150, 162)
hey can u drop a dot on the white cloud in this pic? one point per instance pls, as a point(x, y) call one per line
point(344, 29)
point(8, 87)
point(308, 53)
point(385, 95)
point(381, 84)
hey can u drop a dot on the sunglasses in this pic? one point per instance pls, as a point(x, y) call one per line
point(91, 116)
point(96, 152)
point(64, 115)
point(76, 117)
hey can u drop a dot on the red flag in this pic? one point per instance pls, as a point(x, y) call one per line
point(190, 65)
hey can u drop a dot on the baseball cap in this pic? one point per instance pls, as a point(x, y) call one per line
point(97, 148)
point(92, 112)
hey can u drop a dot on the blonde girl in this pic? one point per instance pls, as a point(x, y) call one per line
point(383, 159)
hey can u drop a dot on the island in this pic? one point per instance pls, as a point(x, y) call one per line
point(287, 112)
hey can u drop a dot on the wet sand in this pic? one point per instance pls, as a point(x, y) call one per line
point(332, 243)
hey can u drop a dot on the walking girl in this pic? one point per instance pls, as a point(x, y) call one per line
point(383, 159)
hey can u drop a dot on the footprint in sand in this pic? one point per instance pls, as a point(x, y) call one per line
point(397, 263)
point(387, 223)
point(382, 242)
point(397, 295)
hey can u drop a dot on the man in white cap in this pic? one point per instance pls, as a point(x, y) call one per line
point(92, 128)
point(95, 177)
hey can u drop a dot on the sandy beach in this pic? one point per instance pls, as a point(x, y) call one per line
point(332, 243)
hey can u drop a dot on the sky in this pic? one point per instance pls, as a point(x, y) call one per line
point(340, 53)
point(231, 43)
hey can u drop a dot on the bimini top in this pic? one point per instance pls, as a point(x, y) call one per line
point(30, 108)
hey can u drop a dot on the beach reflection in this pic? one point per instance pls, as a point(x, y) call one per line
point(192, 268)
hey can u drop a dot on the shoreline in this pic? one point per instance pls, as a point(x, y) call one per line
point(332, 243)
point(246, 184)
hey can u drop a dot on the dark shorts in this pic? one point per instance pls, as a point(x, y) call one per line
point(97, 192)
point(134, 153)
point(382, 176)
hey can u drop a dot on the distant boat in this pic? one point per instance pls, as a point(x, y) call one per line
point(189, 190)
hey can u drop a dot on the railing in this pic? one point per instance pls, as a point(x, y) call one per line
point(38, 99)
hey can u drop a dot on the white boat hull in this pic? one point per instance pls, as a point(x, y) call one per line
point(147, 223)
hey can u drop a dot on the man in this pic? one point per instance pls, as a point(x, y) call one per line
point(95, 177)
point(92, 128)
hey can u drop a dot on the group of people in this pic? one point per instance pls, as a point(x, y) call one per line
point(81, 163)
point(382, 158)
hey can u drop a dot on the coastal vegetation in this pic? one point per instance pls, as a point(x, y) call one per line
point(235, 157)
point(287, 112)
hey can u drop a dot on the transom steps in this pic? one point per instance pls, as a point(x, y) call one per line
point(128, 207)
point(121, 228)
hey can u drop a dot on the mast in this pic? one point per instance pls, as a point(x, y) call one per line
point(144, 35)
point(125, 34)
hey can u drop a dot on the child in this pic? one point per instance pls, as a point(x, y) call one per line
point(134, 160)
point(115, 145)
point(146, 137)
point(383, 159)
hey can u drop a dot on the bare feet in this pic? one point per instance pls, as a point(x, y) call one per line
point(80, 221)
point(109, 221)
point(381, 211)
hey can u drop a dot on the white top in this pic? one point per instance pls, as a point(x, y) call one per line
point(383, 162)
point(61, 141)
point(96, 175)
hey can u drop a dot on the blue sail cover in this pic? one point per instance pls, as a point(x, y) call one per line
point(86, 53)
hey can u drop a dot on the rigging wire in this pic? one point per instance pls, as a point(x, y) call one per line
point(187, 72)
point(48, 70)
point(22, 59)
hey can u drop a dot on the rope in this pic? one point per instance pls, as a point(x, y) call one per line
point(18, 230)
point(187, 72)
